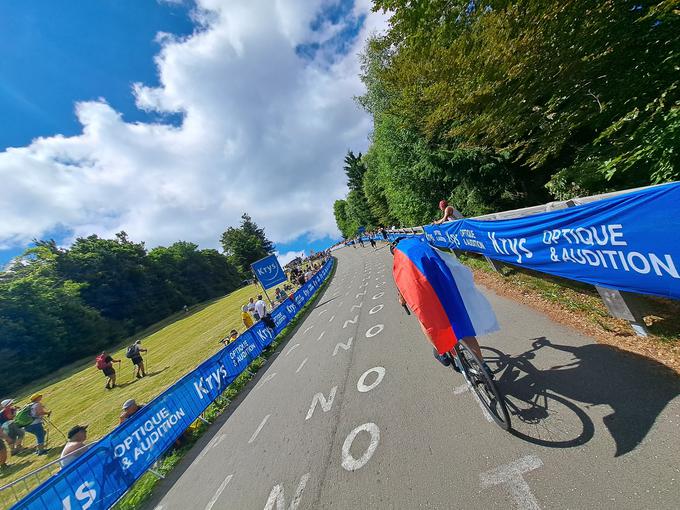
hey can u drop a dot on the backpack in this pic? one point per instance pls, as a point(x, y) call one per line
point(100, 362)
point(132, 351)
point(24, 417)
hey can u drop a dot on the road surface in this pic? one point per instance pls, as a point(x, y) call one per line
point(354, 412)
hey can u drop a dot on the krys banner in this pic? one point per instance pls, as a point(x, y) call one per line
point(628, 242)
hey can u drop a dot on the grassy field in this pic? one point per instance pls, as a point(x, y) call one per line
point(76, 393)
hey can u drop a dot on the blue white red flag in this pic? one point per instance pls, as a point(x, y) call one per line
point(442, 294)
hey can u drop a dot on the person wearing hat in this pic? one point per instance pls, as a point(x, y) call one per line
point(130, 407)
point(134, 352)
point(37, 412)
point(245, 317)
point(449, 213)
point(14, 433)
point(75, 446)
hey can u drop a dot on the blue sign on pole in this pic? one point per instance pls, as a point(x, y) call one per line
point(269, 272)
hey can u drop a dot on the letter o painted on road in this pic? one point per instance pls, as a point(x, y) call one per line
point(376, 309)
point(378, 329)
point(349, 462)
point(361, 383)
point(378, 295)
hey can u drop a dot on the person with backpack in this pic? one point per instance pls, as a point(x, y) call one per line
point(31, 417)
point(8, 427)
point(104, 362)
point(134, 354)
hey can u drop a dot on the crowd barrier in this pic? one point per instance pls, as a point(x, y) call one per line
point(627, 242)
point(98, 478)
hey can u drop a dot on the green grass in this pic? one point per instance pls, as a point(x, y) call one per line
point(76, 393)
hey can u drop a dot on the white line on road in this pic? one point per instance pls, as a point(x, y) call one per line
point(310, 327)
point(220, 438)
point(219, 492)
point(321, 336)
point(291, 349)
point(460, 389)
point(511, 474)
point(331, 319)
point(322, 312)
point(259, 428)
point(301, 365)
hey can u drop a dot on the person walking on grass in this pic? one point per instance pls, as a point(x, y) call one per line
point(104, 362)
point(31, 417)
point(14, 433)
point(245, 317)
point(134, 353)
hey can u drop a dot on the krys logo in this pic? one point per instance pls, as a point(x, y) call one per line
point(269, 271)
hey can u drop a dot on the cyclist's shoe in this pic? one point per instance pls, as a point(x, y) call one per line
point(442, 358)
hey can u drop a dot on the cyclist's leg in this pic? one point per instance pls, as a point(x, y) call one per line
point(473, 344)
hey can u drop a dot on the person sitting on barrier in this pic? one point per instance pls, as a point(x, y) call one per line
point(130, 407)
point(449, 213)
point(134, 354)
point(31, 417)
point(14, 433)
point(245, 317)
point(75, 445)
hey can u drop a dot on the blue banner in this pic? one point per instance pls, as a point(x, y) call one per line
point(268, 271)
point(99, 477)
point(627, 242)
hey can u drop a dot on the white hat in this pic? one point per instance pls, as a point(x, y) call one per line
point(129, 403)
point(6, 402)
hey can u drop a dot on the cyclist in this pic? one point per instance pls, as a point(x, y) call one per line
point(441, 293)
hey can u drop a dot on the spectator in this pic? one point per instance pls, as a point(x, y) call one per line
point(449, 213)
point(245, 317)
point(253, 309)
point(75, 446)
point(104, 362)
point(233, 335)
point(130, 407)
point(3, 450)
point(134, 353)
point(14, 433)
point(260, 307)
point(36, 413)
point(308, 274)
point(372, 241)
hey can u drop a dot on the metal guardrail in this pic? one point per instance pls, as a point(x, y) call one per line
point(621, 305)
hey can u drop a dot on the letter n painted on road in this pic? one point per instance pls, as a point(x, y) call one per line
point(344, 346)
point(325, 404)
point(276, 496)
point(350, 321)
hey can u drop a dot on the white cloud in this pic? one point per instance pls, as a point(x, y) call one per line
point(288, 256)
point(264, 131)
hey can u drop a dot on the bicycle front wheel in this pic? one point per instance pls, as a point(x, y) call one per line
point(483, 385)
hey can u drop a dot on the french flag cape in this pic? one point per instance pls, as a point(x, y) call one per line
point(442, 293)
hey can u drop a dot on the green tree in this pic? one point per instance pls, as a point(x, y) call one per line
point(245, 244)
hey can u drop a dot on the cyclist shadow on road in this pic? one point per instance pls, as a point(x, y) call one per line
point(543, 401)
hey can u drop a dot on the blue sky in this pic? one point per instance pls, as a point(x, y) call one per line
point(119, 149)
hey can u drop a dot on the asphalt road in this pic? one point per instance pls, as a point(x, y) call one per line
point(354, 412)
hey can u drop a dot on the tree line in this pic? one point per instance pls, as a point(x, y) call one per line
point(58, 305)
point(502, 104)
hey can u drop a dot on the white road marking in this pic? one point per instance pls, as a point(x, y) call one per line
point(291, 349)
point(378, 328)
point(349, 462)
point(219, 492)
point(331, 319)
point(361, 383)
point(350, 321)
point(301, 365)
point(220, 438)
point(376, 309)
point(276, 496)
point(310, 327)
point(322, 312)
point(378, 295)
point(259, 428)
point(378, 285)
point(360, 294)
point(511, 474)
point(325, 404)
point(344, 346)
point(460, 389)
point(321, 336)
point(356, 306)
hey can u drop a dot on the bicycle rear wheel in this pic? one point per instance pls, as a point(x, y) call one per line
point(483, 385)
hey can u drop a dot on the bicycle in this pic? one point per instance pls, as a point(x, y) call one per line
point(480, 382)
